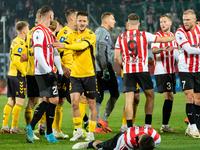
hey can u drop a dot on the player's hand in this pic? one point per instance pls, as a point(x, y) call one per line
point(66, 71)
point(60, 76)
point(58, 44)
point(51, 76)
point(23, 58)
point(106, 75)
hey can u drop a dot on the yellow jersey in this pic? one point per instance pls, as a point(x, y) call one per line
point(66, 55)
point(83, 46)
point(17, 48)
point(29, 49)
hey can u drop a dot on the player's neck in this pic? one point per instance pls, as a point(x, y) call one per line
point(106, 27)
point(82, 31)
point(22, 36)
point(71, 26)
point(166, 32)
point(45, 23)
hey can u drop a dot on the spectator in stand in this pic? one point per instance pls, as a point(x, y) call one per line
point(19, 9)
point(149, 18)
point(31, 17)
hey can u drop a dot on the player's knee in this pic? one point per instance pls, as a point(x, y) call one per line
point(91, 106)
point(74, 104)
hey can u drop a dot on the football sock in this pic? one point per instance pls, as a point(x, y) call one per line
point(60, 121)
point(28, 115)
point(197, 111)
point(57, 118)
point(129, 123)
point(6, 114)
point(39, 111)
point(167, 108)
point(82, 107)
point(190, 112)
point(92, 125)
point(98, 107)
point(109, 108)
point(50, 112)
point(148, 119)
point(124, 117)
point(77, 122)
point(135, 106)
point(15, 114)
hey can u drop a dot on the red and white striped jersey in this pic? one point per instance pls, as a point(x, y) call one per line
point(164, 62)
point(133, 46)
point(43, 37)
point(188, 62)
point(131, 136)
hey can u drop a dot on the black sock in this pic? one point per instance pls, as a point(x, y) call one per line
point(85, 118)
point(39, 111)
point(190, 112)
point(167, 108)
point(90, 145)
point(50, 112)
point(148, 119)
point(129, 123)
point(197, 111)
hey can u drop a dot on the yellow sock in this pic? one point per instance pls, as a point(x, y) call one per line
point(135, 106)
point(124, 117)
point(57, 117)
point(61, 115)
point(92, 125)
point(43, 119)
point(15, 114)
point(77, 122)
point(82, 107)
point(6, 114)
point(28, 115)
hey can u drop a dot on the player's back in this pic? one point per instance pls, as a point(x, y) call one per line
point(17, 48)
point(133, 45)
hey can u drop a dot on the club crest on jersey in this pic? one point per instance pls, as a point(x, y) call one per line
point(107, 37)
point(83, 39)
point(180, 38)
point(19, 50)
point(62, 39)
point(22, 43)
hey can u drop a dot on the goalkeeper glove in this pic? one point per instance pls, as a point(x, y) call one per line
point(106, 75)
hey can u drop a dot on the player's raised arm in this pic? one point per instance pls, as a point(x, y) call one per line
point(165, 39)
point(159, 50)
point(183, 42)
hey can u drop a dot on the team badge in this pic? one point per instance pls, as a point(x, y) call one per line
point(107, 37)
point(180, 38)
point(19, 50)
point(83, 39)
point(21, 42)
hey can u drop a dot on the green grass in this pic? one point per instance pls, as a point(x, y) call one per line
point(168, 141)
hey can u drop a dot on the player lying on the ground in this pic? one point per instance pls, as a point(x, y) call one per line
point(144, 138)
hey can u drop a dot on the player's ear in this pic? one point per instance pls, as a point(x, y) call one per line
point(138, 24)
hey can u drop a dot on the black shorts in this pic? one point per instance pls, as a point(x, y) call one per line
point(46, 87)
point(16, 86)
point(166, 83)
point(104, 85)
point(109, 144)
point(190, 81)
point(32, 87)
point(86, 84)
point(137, 88)
point(130, 81)
point(63, 87)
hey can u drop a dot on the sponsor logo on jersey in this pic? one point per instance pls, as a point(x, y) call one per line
point(62, 39)
point(19, 50)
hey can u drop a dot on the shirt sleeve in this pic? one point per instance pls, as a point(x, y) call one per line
point(104, 38)
point(180, 38)
point(117, 45)
point(38, 38)
point(151, 38)
point(155, 45)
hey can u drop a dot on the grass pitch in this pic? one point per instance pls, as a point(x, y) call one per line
point(168, 141)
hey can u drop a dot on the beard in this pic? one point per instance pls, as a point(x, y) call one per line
point(83, 29)
point(165, 30)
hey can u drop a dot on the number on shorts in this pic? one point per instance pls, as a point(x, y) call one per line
point(183, 82)
point(132, 49)
point(55, 90)
point(169, 86)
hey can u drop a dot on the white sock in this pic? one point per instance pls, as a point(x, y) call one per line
point(147, 125)
point(79, 129)
point(124, 126)
point(193, 127)
point(165, 125)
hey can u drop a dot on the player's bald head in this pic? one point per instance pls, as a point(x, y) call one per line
point(106, 15)
point(133, 19)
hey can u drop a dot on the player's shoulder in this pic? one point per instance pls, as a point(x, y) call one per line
point(65, 30)
point(90, 32)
